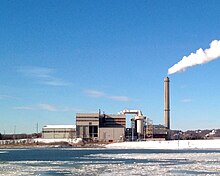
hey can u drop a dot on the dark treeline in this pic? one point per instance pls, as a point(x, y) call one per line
point(195, 134)
point(19, 136)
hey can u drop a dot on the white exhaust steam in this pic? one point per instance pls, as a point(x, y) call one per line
point(200, 57)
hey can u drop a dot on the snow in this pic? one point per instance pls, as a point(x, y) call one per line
point(47, 141)
point(175, 144)
point(59, 126)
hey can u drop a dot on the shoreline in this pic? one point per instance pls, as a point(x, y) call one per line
point(166, 145)
point(53, 145)
point(169, 145)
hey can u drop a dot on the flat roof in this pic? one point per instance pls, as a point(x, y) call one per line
point(59, 126)
point(87, 114)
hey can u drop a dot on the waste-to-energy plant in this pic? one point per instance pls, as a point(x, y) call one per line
point(112, 127)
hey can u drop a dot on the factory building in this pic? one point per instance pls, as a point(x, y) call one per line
point(87, 125)
point(100, 127)
point(150, 131)
point(59, 132)
point(159, 131)
point(112, 127)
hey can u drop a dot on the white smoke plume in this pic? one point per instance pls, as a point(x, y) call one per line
point(200, 57)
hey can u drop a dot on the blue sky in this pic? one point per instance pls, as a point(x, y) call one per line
point(63, 57)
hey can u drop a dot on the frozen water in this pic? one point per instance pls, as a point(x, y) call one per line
point(65, 162)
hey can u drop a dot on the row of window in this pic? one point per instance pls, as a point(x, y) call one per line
point(58, 131)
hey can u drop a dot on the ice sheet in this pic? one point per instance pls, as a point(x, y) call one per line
point(179, 164)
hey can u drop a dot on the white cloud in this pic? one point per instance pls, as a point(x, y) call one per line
point(186, 100)
point(99, 94)
point(120, 98)
point(48, 107)
point(71, 109)
point(6, 97)
point(40, 72)
point(24, 108)
point(94, 93)
point(43, 75)
point(55, 82)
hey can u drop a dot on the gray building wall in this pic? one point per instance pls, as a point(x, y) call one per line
point(102, 127)
point(111, 134)
point(87, 125)
point(58, 132)
point(113, 120)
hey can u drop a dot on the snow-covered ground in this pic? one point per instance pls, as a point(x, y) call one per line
point(47, 141)
point(40, 140)
point(175, 144)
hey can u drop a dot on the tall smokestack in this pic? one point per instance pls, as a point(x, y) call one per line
point(166, 103)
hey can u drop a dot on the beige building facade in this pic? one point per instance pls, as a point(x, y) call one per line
point(59, 132)
point(111, 134)
point(100, 127)
point(87, 125)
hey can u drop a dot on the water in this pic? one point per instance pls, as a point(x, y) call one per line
point(106, 162)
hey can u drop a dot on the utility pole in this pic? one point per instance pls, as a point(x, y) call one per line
point(37, 127)
point(14, 132)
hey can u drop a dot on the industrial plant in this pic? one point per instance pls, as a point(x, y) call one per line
point(112, 128)
point(104, 127)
